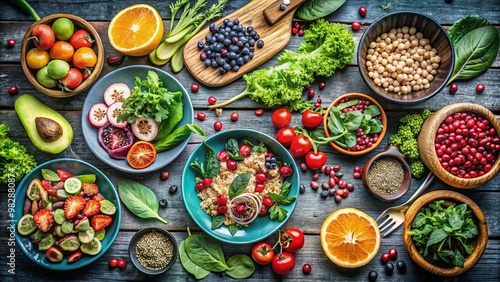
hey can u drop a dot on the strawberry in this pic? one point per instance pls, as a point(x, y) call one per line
point(47, 185)
point(100, 222)
point(63, 174)
point(75, 256)
point(92, 207)
point(90, 189)
point(73, 205)
point(98, 197)
point(44, 219)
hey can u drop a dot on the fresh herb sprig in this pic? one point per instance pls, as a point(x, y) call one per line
point(277, 212)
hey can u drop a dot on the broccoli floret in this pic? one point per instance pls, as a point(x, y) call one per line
point(417, 169)
point(409, 148)
point(425, 113)
point(406, 132)
point(395, 140)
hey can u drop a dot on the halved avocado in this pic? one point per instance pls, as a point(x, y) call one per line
point(28, 108)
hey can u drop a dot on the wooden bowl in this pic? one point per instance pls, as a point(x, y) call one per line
point(380, 136)
point(431, 30)
point(393, 153)
point(426, 142)
point(97, 47)
point(481, 239)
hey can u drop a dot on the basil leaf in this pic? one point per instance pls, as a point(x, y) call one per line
point(212, 163)
point(217, 221)
point(189, 265)
point(239, 184)
point(177, 136)
point(372, 110)
point(139, 199)
point(199, 167)
point(465, 25)
point(205, 252)
point(285, 188)
point(240, 266)
point(475, 52)
point(49, 175)
point(437, 236)
point(315, 9)
point(233, 149)
point(232, 229)
point(275, 197)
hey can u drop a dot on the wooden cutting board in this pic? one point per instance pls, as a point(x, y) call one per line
point(273, 26)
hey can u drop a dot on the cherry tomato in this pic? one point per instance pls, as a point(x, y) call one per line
point(218, 125)
point(292, 239)
point(315, 160)
point(195, 87)
point(113, 263)
point(72, 80)
point(231, 164)
point(286, 171)
point(300, 146)
point(260, 177)
point(212, 100)
point(267, 201)
point(355, 26)
point(43, 36)
point(142, 154)
point(222, 155)
point(283, 263)
point(63, 174)
point(201, 116)
point(62, 50)
point(245, 150)
point(285, 136)
point(122, 264)
point(262, 253)
point(311, 119)
point(281, 117)
point(259, 188)
point(63, 28)
point(37, 59)
point(81, 38)
point(84, 58)
point(222, 209)
point(222, 200)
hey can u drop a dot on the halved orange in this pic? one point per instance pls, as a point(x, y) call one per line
point(350, 238)
point(142, 154)
point(136, 30)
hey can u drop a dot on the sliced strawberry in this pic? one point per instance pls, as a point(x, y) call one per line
point(75, 256)
point(73, 205)
point(90, 189)
point(100, 222)
point(63, 174)
point(98, 197)
point(47, 185)
point(92, 207)
point(44, 219)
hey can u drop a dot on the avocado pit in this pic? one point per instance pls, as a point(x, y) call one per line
point(48, 129)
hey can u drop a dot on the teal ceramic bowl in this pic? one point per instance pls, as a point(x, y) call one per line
point(127, 75)
point(76, 167)
point(262, 226)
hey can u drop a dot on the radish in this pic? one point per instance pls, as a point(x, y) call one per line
point(116, 92)
point(98, 115)
point(114, 111)
point(145, 128)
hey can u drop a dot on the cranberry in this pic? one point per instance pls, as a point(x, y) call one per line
point(240, 208)
point(385, 257)
point(201, 116)
point(221, 209)
point(13, 90)
point(303, 166)
point(356, 26)
point(336, 168)
point(300, 33)
point(165, 175)
point(113, 263)
point(331, 182)
point(222, 200)
point(122, 264)
point(314, 185)
point(234, 116)
point(393, 253)
point(358, 169)
point(263, 210)
point(218, 125)
point(362, 11)
point(199, 186)
point(307, 86)
point(306, 269)
point(317, 105)
point(453, 88)
point(259, 112)
point(259, 187)
point(231, 164)
point(222, 155)
point(321, 85)
point(11, 43)
point(266, 201)
point(207, 182)
point(294, 30)
point(311, 93)
point(195, 87)
point(480, 88)
point(356, 175)
point(261, 177)
point(212, 100)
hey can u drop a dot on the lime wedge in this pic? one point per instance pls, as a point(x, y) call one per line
point(107, 207)
point(26, 225)
point(73, 185)
point(87, 178)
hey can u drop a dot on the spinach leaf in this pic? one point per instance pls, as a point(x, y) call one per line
point(189, 265)
point(372, 110)
point(350, 139)
point(50, 175)
point(335, 124)
point(199, 167)
point(180, 134)
point(465, 25)
point(176, 115)
point(217, 221)
point(315, 9)
point(206, 253)
point(353, 120)
point(232, 229)
point(375, 126)
point(139, 199)
point(233, 149)
point(239, 184)
point(240, 266)
point(475, 52)
point(212, 163)
point(347, 104)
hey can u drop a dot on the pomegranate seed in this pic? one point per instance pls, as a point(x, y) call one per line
point(317, 105)
point(321, 85)
point(122, 264)
point(218, 126)
point(385, 257)
point(199, 186)
point(311, 93)
point(222, 209)
point(393, 253)
point(13, 90)
point(259, 112)
point(306, 269)
point(164, 175)
point(294, 30)
point(234, 116)
point(356, 175)
point(480, 88)
point(212, 100)
point(222, 200)
point(362, 11)
point(195, 87)
point(207, 182)
point(300, 33)
point(356, 26)
point(201, 116)
point(11, 43)
point(453, 88)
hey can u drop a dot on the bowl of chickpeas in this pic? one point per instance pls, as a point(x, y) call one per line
point(405, 57)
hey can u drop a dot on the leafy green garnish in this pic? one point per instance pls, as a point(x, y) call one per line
point(233, 150)
point(277, 211)
point(15, 161)
point(239, 184)
point(444, 235)
point(139, 199)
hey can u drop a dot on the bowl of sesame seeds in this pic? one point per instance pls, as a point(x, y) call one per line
point(153, 250)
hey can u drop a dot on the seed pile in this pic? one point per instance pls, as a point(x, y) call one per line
point(385, 176)
point(154, 250)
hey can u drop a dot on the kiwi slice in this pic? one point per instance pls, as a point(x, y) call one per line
point(39, 234)
point(70, 243)
point(26, 225)
point(86, 236)
point(67, 227)
point(59, 216)
point(107, 207)
point(92, 248)
point(46, 242)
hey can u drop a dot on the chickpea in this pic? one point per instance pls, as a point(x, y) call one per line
point(372, 45)
point(413, 30)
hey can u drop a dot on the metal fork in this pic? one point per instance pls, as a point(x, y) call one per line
point(395, 216)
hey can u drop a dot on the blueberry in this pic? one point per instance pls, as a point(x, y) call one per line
point(236, 21)
point(173, 189)
point(231, 55)
point(240, 61)
point(252, 33)
point(256, 37)
point(211, 27)
point(260, 43)
point(249, 28)
point(401, 266)
point(218, 47)
point(203, 56)
point(226, 21)
point(223, 52)
point(233, 63)
point(227, 67)
point(214, 63)
point(250, 54)
point(232, 33)
point(282, 7)
point(245, 51)
point(302, 188)
point(221, 62)
point(324, 194)
point(246, 58)
point(389, 268)
point(206, 48)
point(235, 40)
point(201, 45)
point(372, 276)
point(251, 42)
point(163, 203)
point(208, 38)
point(221, 70)
point(208, 62)
point(230, 24)
point(220, 38)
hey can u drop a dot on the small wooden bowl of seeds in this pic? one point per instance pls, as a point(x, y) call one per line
point(386, 175)
point(153, 250)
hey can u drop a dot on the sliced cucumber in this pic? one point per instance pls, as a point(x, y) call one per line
point(177, 62)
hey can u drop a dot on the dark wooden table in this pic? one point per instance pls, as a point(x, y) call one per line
point(311, 209)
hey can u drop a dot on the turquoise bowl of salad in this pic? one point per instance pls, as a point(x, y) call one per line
point(240, 168)
point(89, 230)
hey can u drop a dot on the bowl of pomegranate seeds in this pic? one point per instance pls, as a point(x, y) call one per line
point(460, 144)
point(358, 121)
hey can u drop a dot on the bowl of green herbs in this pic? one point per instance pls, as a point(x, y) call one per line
point(445, 232)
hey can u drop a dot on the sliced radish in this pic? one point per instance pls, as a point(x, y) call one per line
point(98, 115)
point(114, 110)
point(116, 92)
point(145, 128)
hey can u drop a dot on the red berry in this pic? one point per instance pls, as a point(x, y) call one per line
point(356, 26)
point(259, 112)
point(480, 88)
point(122, 264)
point(11, 43)
point(393, 254)
point(221, 209)
point(201, 116)
point(307, 86)
point(266, 201)
point(113, 263)
point(294, 30)
point(261, 177)
point(207, 182)
point(317, 105)
point(218, 126)
point(321, 85)
point(240, 208)
point(311, 93)
point(259, 187)
point(212, 100)
point(306, 269)
point(385, 258)
point(199, 186)
point(453, 88)
point(300, 33)
point(362, 11)
point(234, 116)
point(13, 90)
point(195, 87)
point(263, 210)
point(222, 200)
point(165, 175)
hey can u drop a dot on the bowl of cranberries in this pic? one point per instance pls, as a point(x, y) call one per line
point(358, 121)
point(460, 144)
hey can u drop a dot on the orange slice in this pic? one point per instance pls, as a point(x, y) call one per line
point(350, 238)
point(136, 30)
